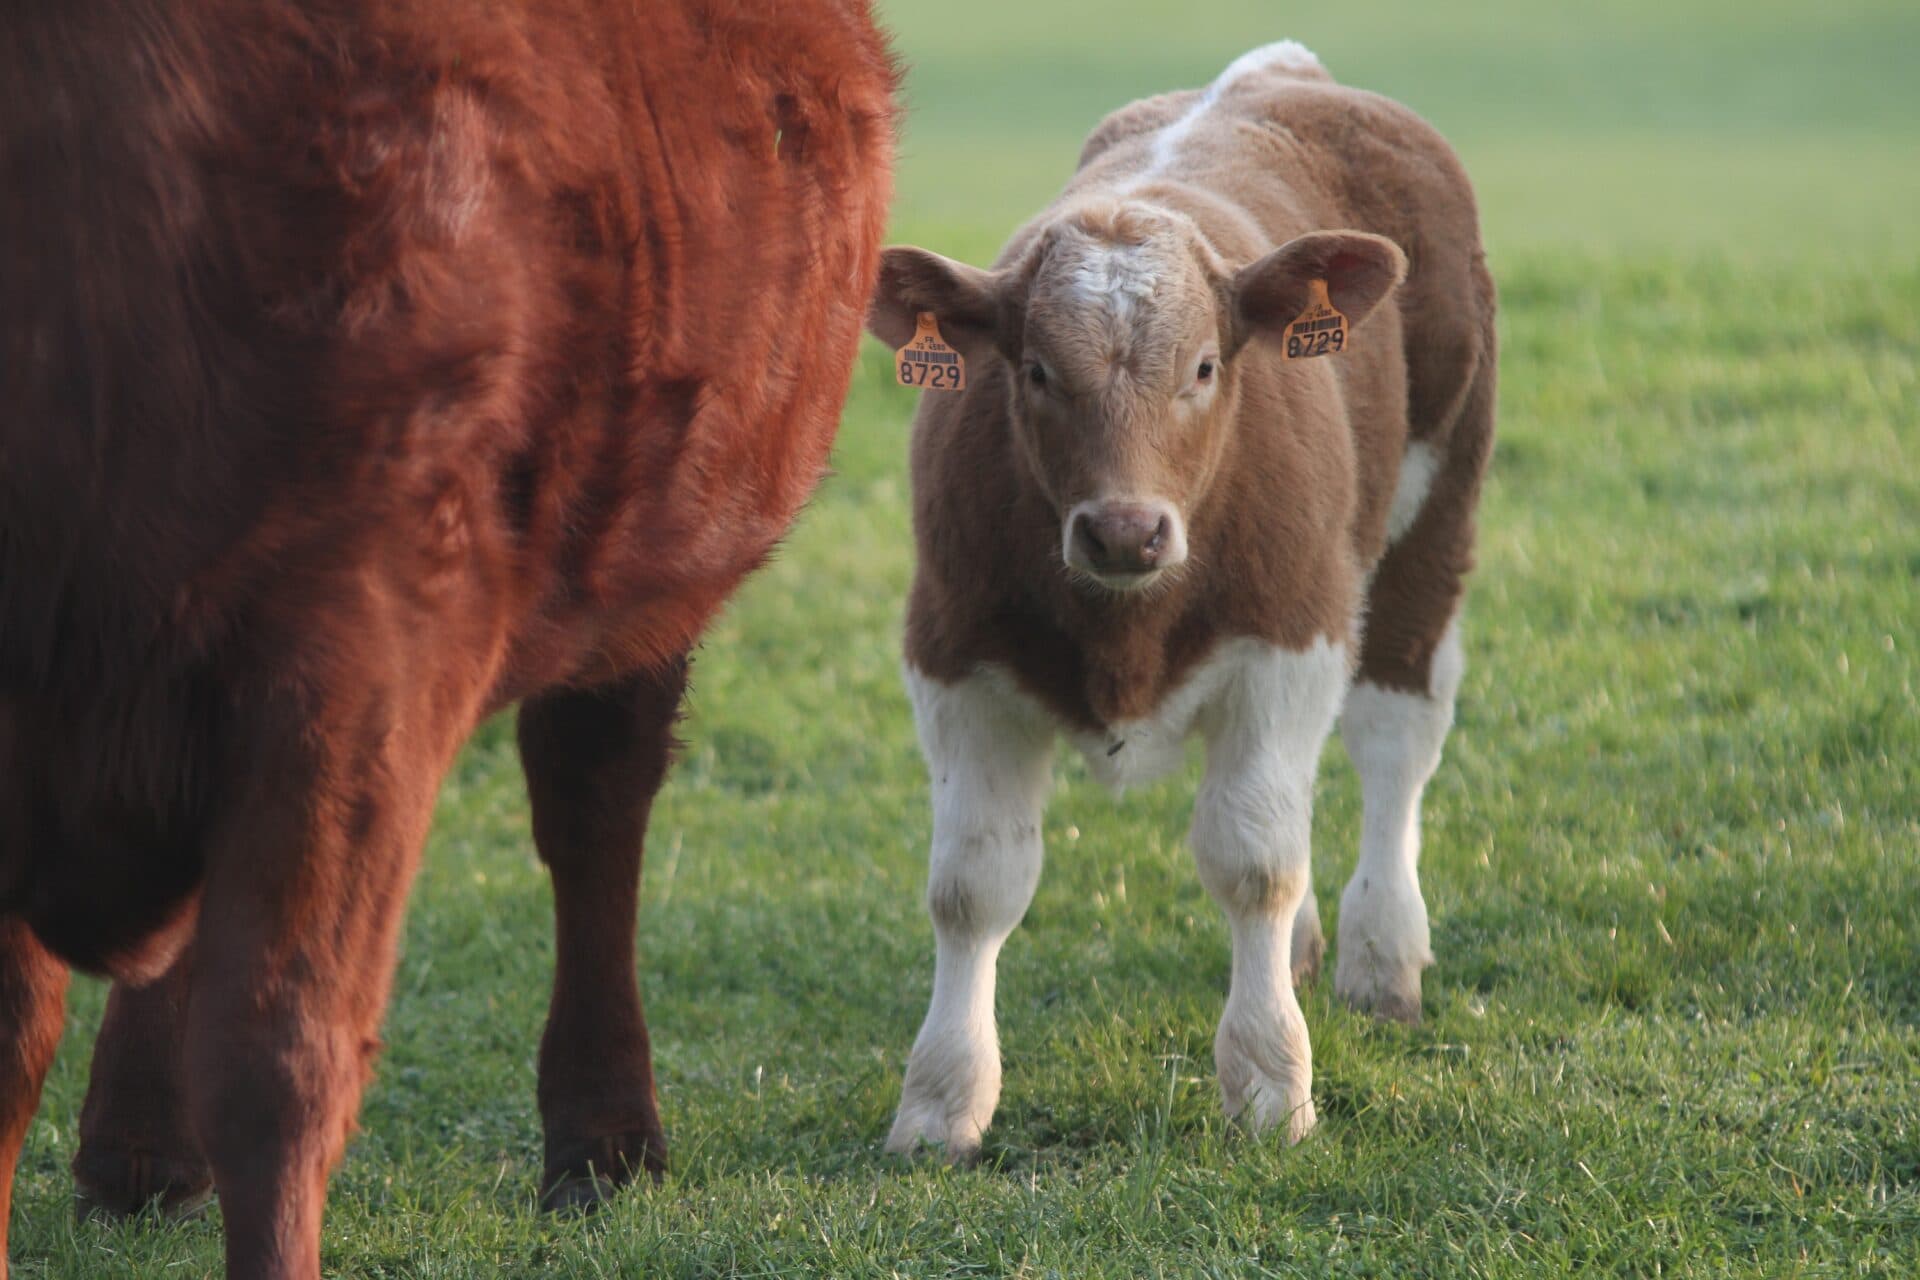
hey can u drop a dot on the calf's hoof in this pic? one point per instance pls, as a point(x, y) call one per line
point(110, 1184)
point(951, 1089)
point(1260, 1104)
point(582, 1174)
point(1271, 1107)
point(1384, 944)
point(1386, 989)
point(928, 1123)
point(1266, 1083)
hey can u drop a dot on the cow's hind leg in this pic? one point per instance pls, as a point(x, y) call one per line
point(1251, 837)
point(33, 989)
point(594, 761)
point(1394, 736)
point(1396, 720)
point(137, 1146)
point(307, 875)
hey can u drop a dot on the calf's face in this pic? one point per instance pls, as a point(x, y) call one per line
point(1122, 333)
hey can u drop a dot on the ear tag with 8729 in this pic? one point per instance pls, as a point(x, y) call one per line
point(927, 361)
point(1320, 330)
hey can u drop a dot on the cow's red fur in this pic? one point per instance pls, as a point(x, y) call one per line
point(364, 368)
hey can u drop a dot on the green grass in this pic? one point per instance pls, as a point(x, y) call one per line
point(1671, 854)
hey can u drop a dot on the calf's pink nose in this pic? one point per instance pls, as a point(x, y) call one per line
point(1121, 537)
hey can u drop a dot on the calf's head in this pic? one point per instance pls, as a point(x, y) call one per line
point(1123, 333)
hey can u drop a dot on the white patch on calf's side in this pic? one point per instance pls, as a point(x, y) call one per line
point(1417, 469)
point(1166, 143)
point(1449, 667)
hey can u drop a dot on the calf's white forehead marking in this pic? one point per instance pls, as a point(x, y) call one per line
point(1287, 55)
point(1118, 288)
point(1417, 470)
point(1113, 277)
point(1113, 270)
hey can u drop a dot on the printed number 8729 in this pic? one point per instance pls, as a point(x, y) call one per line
point(938, 377)
point(1301, 347)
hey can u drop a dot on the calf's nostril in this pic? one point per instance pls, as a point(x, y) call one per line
point(1121, 538)
point(1084, 527)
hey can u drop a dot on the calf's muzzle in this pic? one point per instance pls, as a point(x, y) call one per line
point(1120, 539)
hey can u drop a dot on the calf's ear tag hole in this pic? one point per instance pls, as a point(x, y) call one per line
point(927, 361)
point(1320, 330)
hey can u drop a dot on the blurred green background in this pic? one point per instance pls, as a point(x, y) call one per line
point(1764, 130)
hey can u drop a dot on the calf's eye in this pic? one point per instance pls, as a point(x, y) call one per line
point(1204, 372)
point(1036, 375)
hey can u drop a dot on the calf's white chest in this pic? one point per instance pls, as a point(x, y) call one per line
point(1242, 676)
point(1134, 752)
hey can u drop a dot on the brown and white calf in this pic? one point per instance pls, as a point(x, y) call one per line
point(1143, 520)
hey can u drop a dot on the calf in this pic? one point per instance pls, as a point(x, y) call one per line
point(1228, 403)
point(365, 368)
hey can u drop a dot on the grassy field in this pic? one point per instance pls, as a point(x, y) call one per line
point(1671, 855)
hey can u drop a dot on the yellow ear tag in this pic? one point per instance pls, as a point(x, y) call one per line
point(927, 361)
point(1320, 330)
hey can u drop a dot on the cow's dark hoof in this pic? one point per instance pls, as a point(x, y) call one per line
point(121, 1184)
point(578, 1194)
point(580, 1176)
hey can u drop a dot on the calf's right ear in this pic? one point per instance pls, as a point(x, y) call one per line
point(965, 300)
point(1358, 269)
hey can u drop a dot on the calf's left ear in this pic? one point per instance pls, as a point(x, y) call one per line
point(1359, 269)
point(964, 300)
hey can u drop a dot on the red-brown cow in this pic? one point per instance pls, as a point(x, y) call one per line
point(366, 367)
point(1154, 513)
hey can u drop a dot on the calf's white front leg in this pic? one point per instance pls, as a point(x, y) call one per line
point(1252, 834)
point(989, 753)
point(1394, 738)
